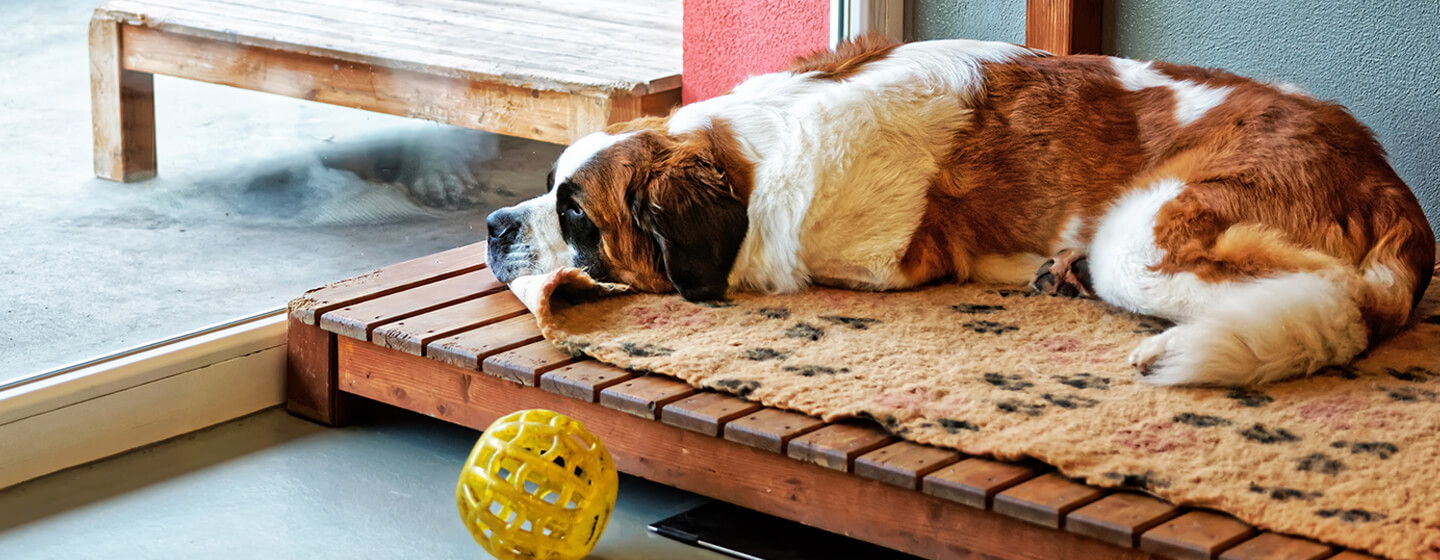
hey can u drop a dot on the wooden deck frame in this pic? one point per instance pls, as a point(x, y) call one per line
point(127, 49)
point(438, 336)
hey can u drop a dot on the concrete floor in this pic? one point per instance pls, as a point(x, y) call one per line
point(271, 486)
point(259, 198)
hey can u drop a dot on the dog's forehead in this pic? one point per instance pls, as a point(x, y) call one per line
point(581, 152)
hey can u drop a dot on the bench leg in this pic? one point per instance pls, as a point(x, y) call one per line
point(122, 109)
point(312, 388)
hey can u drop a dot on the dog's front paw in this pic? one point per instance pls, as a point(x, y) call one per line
point(1146, 357)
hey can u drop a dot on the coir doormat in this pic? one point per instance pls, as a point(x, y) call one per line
point(1350, 456)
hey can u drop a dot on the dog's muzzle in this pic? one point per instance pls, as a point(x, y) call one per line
point(525, 239)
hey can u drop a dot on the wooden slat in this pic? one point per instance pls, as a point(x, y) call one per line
point(1064, 26)
point(412, 334)
point(1120, 518)
point(311, 387)
point(584, 380)
point(1198, 535)
point(527, 363)
point(1270, 546)
point(636, 51)
point(388, 280)
point(836, 446)
point(644, 396)
point(1045, 500)
point(357, 320)
point(482, 54)
point(770, 428)
point(975, 482)
point(706, 412)
point(468, 349)
point(903, 463)
point(504, 47)
point(549, 116)
point(774, 484)
point(122, 108)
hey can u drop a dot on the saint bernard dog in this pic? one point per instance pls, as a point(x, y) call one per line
point(1265, 223)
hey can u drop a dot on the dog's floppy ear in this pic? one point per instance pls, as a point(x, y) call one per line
point(692, 208)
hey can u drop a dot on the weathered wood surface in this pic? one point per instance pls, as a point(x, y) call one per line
point(1199, 535)
point(598, 47)
point(706, 413)
point(975, 482)
point(665, 430)
point(903, 463)
point(1120, 518)
point(836, 446)
point(391, 279)
point(122, 104)
point(741, 474)
point(1047, 499)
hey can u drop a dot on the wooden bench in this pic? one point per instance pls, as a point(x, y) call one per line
point(550, 70)
point(441, 336)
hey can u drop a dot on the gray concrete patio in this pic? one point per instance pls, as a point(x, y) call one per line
point(259, 198)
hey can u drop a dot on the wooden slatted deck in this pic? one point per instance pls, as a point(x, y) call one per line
point(551, 70)
point(404, 335)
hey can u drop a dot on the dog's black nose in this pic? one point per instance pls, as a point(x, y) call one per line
point(504, 225)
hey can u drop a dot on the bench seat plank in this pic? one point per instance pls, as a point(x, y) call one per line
point(706, 412)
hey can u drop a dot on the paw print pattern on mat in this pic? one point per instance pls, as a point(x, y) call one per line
point(741, 387)
point(1247, 397)
point(976, 309)
point(1260, 433)
point(859, 323)
point(644, 350)
point(1084, 381)
point(989, 327)
point(1381, 449)
point(763, 354)
point(1008, 382)
point(1070, 401)
point(1006, 292)
point(773, 312)
point(954, 426)
point(1351, 515)
point(806, 331)
point(1284, 494)
point(812, 371)
point(1411, 394)
point(1320, 463)
point(1200, 420)
point(1013, 405)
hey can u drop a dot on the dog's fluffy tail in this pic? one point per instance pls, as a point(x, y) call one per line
point(1271, 328)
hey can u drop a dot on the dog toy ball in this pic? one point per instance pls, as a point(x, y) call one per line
point(537, 485)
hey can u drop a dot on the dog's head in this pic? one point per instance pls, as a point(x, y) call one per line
point(637, 206)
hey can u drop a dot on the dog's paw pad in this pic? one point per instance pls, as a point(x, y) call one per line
point(1066, 275)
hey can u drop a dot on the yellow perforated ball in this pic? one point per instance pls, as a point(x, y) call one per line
point(537, 485)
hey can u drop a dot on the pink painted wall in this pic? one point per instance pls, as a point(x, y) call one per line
point(728, 40)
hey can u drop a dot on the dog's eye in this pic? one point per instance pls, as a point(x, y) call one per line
point(574, 212)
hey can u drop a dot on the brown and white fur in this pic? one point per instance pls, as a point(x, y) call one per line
point(1266, 223)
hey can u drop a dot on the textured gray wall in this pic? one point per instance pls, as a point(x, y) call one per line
point(1380, 58)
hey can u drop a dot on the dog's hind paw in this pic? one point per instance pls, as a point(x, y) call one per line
point(1067, 274)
